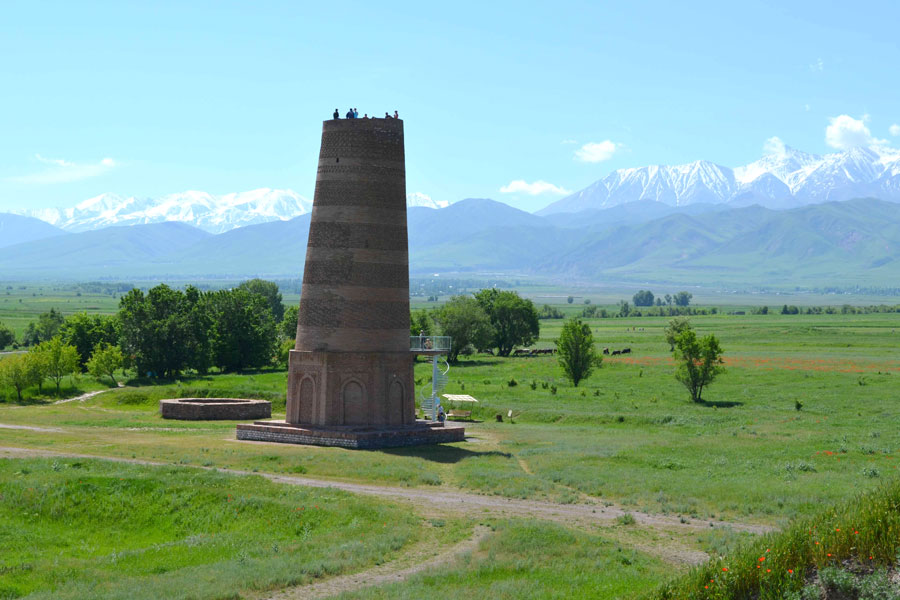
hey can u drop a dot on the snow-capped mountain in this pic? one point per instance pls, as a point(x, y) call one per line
point(420, 199)
point(215, 214)
point(783, 179)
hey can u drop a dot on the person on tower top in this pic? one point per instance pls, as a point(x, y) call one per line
point(396, 116)
point(337, 115)
point(349, 114)
point(355, 113)
point(387, 116)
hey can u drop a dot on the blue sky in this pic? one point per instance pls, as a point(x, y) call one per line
point(149, 98)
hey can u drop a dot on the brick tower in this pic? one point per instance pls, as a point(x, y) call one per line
point(350, 375)
point(352, 364)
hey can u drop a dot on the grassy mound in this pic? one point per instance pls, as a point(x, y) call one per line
point(93, 529)
point(847, 549)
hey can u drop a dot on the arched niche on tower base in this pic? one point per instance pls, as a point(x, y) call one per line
point(353, 399)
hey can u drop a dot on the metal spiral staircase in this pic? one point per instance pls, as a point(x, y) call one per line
point(439, 381)
point(436, 347)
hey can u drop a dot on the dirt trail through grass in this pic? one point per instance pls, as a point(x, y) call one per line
point(417, 561)
point(82, 397)
point(442, 500)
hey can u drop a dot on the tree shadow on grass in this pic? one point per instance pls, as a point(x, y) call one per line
point(441, 453)
point(719, 403)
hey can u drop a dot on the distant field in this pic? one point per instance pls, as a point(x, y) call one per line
point(21, 303)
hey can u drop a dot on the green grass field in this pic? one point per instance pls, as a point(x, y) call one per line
point(87, 529)
point(628, 435)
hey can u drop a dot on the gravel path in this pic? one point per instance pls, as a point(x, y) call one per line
point(418, 560)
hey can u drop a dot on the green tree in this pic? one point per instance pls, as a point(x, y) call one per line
point(570, 299)
point(7, 336)
point(245, 332)
point(288, 326)
point(683, 298)
point(643, 298)
point(46, 327)
point(105, 360)
point(577, 355)
point(166, 331)
point(674, 328)
point(514, 319)
point(463, 319)
point(698, 361)
point(624, 308)
point(85, 332)
point(61, 359)
point(37, 364)
point(268, 290)
point(421, 323)
point(15, 373)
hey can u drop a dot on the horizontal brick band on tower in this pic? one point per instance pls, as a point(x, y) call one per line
point(325, 234)
point(336, 192)
point(357, 273)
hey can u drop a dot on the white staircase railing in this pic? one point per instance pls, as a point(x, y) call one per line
point(439, 380)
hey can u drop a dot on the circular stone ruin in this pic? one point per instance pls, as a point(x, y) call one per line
point(215, 409)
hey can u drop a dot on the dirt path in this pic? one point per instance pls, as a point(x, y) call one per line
point(443, 500)
point(82, 397)
point(417, 561)
point(31, 428)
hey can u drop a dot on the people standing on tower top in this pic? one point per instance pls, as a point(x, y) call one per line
point(366, 116)
point(355, 113)
point(337, 115)
point(387, 116)
point(396, 116)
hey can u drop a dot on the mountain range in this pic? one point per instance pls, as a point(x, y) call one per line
point(214, 214)
point(784, 179)
point(842, 244)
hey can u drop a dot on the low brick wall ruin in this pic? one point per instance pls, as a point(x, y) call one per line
point(215, 409)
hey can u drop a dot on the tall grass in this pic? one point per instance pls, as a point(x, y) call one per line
point(863, 532)
point(94, 529)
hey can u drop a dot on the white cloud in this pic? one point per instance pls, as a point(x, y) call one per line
point(64, 171)
point(774, 145)
point(845, 132)
point(818, 66)
point(570, 141)
point(532, 189)
point(894, 129)
point(596, 151)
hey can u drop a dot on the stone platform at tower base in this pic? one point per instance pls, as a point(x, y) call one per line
point(360, 438)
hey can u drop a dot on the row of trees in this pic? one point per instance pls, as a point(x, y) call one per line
point(646, 298)
point(55, 360)
point(490, 321)
point(167, 331)
point(159, 333)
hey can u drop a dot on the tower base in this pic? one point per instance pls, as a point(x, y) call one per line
point(361, 438)
point(350, 389)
